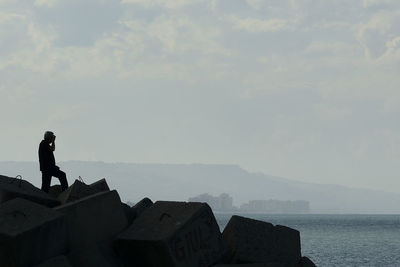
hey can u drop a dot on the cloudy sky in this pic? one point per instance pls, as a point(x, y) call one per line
point(302, 89)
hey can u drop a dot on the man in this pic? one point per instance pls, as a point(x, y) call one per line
point(48, 163)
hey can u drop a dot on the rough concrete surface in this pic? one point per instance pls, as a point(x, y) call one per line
point(98, 217)
point(260, 242)
point(172, 234)
point(60, 261)
point(30, 233)
point(100, 186)
point(76, 191)
point(11, 188)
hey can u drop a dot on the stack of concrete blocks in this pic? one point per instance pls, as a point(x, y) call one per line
point(134, 212)
point(11, 188)
point(88, 225)
point(93, 222)
point(79, 190)
point(172, 234)
point(77, 233)
point(253, 241)
point(30, 233)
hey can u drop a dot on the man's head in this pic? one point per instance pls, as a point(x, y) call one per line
point(49, 136)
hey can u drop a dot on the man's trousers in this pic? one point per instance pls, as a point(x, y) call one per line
point(46, 179)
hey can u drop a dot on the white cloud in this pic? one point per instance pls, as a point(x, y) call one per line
point(8, 17)
point(179, 35)
point(377, 31)
point(335, 48)
point(46, 3)
point(258, 25)
point(170, 4)
point(256, 4)
point(370, 3)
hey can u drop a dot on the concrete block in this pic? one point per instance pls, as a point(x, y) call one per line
point(252, 241)
point(94, 218)
point(141, 206)
point(129, 212)
point(100, 186)
point(272, 264)
point(76, 191)
point(60, 261)
point(55, 190)
point(95, 255)
point(306, 262)
point(11, 188)
point(30, 233)
point(172, 234)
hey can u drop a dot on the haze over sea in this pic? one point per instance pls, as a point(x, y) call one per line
point(341, 240)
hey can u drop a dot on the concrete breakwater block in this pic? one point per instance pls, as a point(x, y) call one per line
point(96, 255)
point(55, 190)
point(129, 213)
point(100, 186)
point(141, 206)
point(253, 241)
point(80, 190)
point(60, 261)
point(272, 264)
point(30, 233)
point(76, 191)
point(94, 218)
point(172, 234)
point(306, 262)
point(11, 188)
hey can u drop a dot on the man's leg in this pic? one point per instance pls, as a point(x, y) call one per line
point(63, 179)
point(46, 180)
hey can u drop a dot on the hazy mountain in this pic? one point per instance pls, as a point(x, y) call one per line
point(179, 182)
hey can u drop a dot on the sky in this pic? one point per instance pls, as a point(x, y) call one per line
point(307, 90)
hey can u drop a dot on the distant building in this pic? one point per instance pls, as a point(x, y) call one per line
point(223, 202)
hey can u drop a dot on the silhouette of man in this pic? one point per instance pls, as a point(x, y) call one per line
point(47, 162)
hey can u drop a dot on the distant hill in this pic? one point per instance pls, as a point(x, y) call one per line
point(180, 182)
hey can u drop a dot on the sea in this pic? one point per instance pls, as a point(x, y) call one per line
point(340, 240)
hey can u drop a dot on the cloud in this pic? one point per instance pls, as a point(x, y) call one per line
point(258, 25)
point(371, 3)
point(170, 4)
point(46, 3)
point(332, 48)
point(8, 17)
point(309, 72)
point(256, 4)
point(377, 31)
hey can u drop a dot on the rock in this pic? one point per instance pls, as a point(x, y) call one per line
point(172, 234)
point(95, 218)
point(30, 233)
point(141, 206)
point(11, 188)
point(95, 255)
point(55, 190)
point(129, 212)
point(306, 262)
point(255, 241)
point(100, 186)
point(60, 261)
point(272, 264)
point(76, 191)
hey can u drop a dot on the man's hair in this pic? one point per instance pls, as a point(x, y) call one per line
point(48, 135)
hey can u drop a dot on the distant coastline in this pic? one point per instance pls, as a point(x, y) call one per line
point(224, 203)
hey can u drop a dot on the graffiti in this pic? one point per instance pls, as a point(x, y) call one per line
point(194, 243)
point(188, 244)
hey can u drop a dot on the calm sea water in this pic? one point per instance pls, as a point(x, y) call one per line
point(341, 240)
